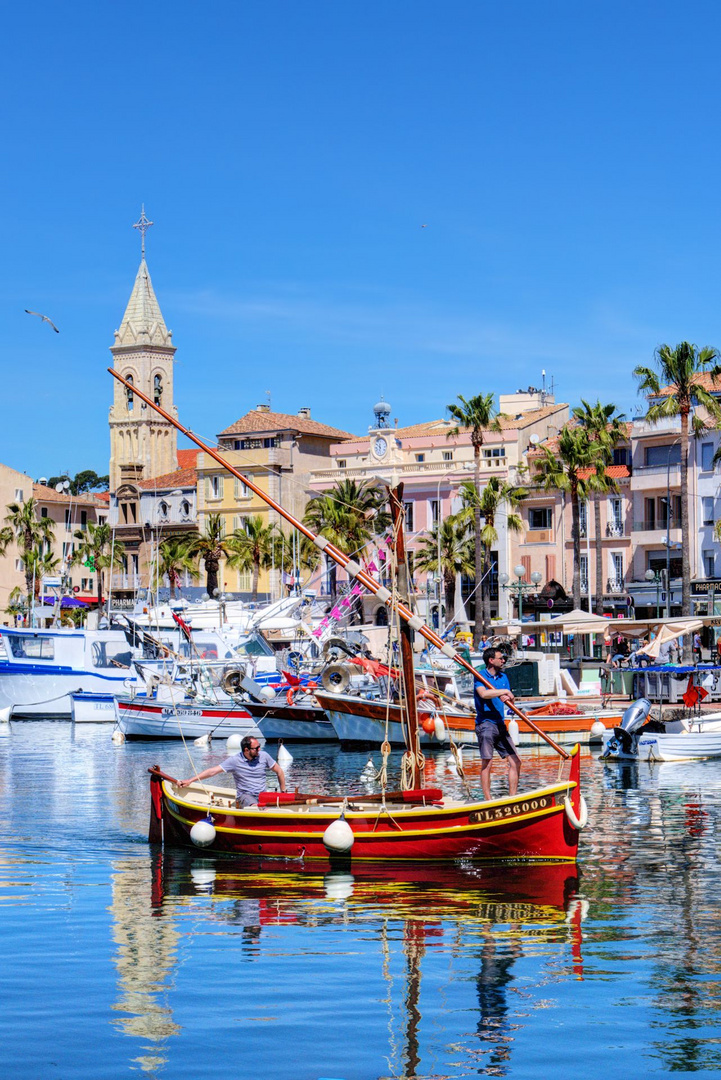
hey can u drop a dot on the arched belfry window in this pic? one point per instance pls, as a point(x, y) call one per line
point(157, 389)
point(129, 395)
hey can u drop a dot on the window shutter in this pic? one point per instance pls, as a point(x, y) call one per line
point(550, 567)
point(526, 563)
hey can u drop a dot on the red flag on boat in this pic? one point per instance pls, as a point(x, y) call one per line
point(182, 625)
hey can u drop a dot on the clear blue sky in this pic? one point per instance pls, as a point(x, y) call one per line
point(564, 157)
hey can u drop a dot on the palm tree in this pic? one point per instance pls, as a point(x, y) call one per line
point(31, 534)
point(456, 547)
point(17, 603)
point(253, 548)
point(98, 551)
point(211, 545)
point(681, 383)
point(603, 425)
point(478, 414)
point(567, 468)
point(172, 560)
point(41, 563)
point(495, 494)
point(349, 515)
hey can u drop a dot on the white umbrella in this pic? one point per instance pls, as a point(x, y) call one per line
point(579, 622)
point(670, 633)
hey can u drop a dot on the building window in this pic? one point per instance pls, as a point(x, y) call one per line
point(707, 456)
point(420, 457)
point(617, 575)
point(215, 487)
point(68, 522)
point(19, 565)
point(447, 455)
point(583, 519)
point(185, 509)
point(621, 456)
point(157, 389)
point(584, 573)
point(340, 462)
point(408, 507)
point(540, 517)
point(435, 508)
point(18, 495)
point(707, 509)
point(129, 395)
point(43, 511)
point(669, 453)
point(494, 456)
point(241, 490)
point(709, 564)
point(163, 511)
point(83, 520)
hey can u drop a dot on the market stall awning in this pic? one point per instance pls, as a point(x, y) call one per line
point(579, 622)
point(668, 633)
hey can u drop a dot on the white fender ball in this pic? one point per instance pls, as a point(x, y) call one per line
point(203, 833)
point(598, 728)
point(513, 730)
point(202, 740)
point(118, 738)
point(439, 729)
point(338, 837)
point(267, 693)
point(233, 743)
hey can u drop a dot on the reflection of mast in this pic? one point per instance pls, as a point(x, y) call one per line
point(413, 949)
point(145, 960)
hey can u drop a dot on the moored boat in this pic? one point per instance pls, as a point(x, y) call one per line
point(140, 718)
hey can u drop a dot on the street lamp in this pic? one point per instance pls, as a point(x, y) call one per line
point(655, 577)
point(520, 586)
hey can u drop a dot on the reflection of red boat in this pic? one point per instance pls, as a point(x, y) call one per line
point(421, 824)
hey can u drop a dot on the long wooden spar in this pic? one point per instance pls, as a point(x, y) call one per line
point(351, 567)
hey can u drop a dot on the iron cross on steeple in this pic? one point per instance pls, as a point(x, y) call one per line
point(143, 225)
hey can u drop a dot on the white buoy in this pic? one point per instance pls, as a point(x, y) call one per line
point(597, 728)
point(338, 837)
point(203, 740)
point(439, 729)
point(203, 833)
point(267, 693)
point(5, 714)
point(338, 886)
point(232, 744)
point(513, 730)
point(285, 758)
point(369, 770)
point(117, 737)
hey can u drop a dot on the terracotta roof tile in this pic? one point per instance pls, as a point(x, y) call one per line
point(181, 478)
point(440, 427)
point(270, 422)
point(614, 472)
point(704, 380)
point(187, 459)
point(43, 493)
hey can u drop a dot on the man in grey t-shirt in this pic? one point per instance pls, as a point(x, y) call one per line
point(248, 769)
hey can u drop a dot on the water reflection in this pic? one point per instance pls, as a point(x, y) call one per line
point(481, 916)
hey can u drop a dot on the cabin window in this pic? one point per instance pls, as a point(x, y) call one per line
point(111, 654)
point(31, 648)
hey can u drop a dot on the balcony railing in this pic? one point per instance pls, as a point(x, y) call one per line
point(126, 581)
point(616, 528)
point(615, 585)
point(656, 524)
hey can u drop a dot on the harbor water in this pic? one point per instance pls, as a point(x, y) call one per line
point(121, 960)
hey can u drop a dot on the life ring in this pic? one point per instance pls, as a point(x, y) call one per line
point(427, 695)
point(578, 823)
point(290, 694)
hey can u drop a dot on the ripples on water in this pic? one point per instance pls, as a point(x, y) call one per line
point(119, 960)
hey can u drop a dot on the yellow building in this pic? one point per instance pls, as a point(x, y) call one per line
point(278, 452)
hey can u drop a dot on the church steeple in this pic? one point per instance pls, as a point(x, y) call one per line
point(143, 354)
point(143, 321)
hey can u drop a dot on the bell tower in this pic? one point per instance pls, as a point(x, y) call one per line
point(143, 354)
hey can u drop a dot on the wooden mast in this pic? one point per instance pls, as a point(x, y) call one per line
point(351, 567)
point(395, 497)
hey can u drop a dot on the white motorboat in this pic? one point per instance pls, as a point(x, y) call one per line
point(184, 718)
point(693, 738)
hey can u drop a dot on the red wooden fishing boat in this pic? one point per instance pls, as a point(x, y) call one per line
point(416, 823)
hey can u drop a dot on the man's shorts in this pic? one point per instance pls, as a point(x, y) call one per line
point(246, 800)
point(492, 737)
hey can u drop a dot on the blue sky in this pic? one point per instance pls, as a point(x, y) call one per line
point(563, 157)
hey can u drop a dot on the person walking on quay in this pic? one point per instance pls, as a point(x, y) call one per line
point(491, 729)
point(248, 768)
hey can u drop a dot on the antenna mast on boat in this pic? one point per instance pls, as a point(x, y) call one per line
point(351, 567)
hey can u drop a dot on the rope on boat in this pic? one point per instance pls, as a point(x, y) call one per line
point(46, 701)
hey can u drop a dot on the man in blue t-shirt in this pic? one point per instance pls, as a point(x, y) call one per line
point(491, 729)
point(248, 769)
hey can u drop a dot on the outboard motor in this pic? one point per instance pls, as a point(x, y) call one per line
point(624, 741)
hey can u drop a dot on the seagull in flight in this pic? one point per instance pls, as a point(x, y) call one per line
point(44, 318)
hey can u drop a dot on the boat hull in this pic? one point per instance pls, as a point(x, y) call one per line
point(672, 746)
point(292, 723)
point(146, 720)
point(531, 827)
point(358, 721)
point(88, 708)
